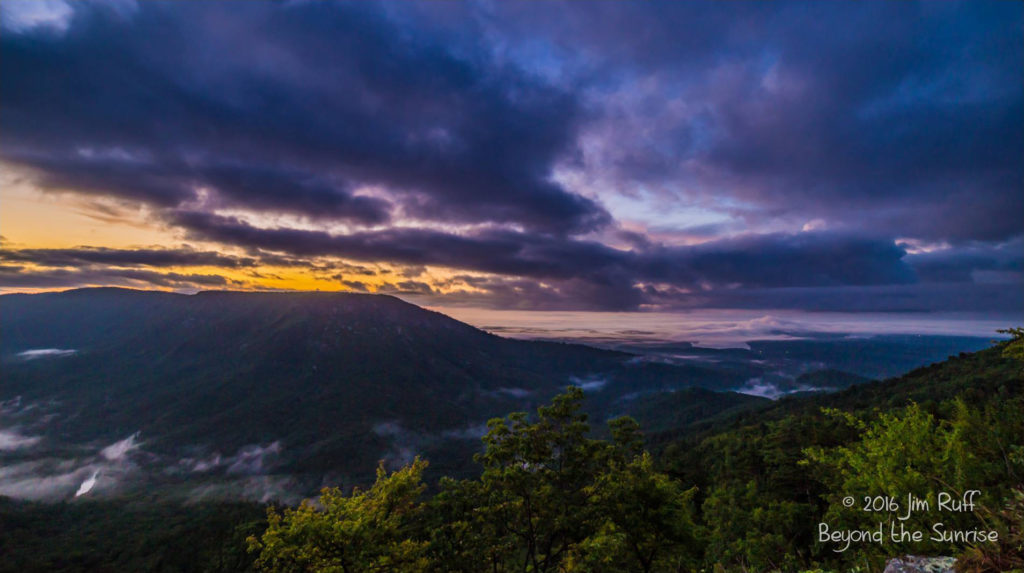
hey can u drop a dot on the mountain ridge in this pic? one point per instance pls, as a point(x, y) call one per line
point(284, 383)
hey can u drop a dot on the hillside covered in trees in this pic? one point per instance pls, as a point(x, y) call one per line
point(748, 492)
point(271, 396)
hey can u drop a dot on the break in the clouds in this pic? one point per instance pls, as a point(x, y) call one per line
point(604, 155)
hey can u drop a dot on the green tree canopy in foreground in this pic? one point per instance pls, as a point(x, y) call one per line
point(551, 497)
point(372, 530)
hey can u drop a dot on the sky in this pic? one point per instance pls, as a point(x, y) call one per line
point(521, 156)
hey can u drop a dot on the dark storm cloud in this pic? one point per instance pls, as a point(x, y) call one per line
point(900, 117)
point(959, 264)
point(185, 256)
point(534, 272)
point(287, 107)
point(999, 299)
point(355, 285)
point(408, 287)
point(275, 190)
point(63, 278)
point(556, 294)
point(564, 295)
point(432, 132)
point(77, 257)
point(497, 251)
point(780, 260)
point(595, 273)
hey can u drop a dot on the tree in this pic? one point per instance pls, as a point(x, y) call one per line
point(372, 530)
point(464, 535)
point(1015, 346)
point(551, 498)
point(913, 452)
point(538, 482)
point(648, 522)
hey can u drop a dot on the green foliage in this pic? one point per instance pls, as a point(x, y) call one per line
point(1015, 347)
point(747, 499)
point(317, 370)
point(1006, 555)
point(370, 530)
point(126, 535)
point(646, 522)
point(751, 529)
point(911, 451)
point(947, 427)
point(903, 452)
point(552, 497)
point(549, 498)
point(539, 481)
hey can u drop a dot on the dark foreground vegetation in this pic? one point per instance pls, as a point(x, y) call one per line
point(127, 535)
point(747, 493)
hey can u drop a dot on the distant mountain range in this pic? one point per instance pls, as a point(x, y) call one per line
point(268, 394)
point(256, 384)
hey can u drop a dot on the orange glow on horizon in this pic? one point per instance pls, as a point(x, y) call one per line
point(73, 221)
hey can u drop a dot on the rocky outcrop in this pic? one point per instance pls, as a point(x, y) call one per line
point(915, 564)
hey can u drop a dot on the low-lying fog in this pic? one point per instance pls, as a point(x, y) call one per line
point(720, 328)
point(37, 466)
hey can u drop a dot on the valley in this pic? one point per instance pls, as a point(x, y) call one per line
point(270, 396)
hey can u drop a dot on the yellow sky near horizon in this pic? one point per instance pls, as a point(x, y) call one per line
point(35, 219)
point(50, 220)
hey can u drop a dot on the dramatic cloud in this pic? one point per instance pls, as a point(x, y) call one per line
point(546, 155)
point(594, 273)
point(66, 278)
point(152, 257)
point(902, 116)
point(978, 262)
point(287, 108)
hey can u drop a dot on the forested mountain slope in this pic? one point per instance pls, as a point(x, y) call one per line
point(296, 385)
